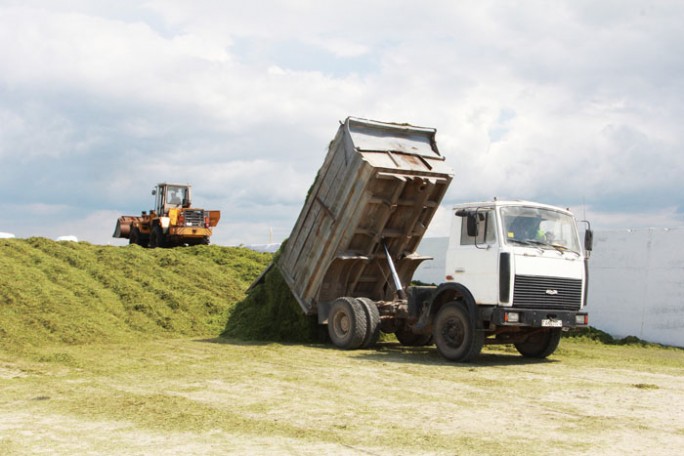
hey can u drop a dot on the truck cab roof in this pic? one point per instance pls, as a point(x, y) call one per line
point(503, 203)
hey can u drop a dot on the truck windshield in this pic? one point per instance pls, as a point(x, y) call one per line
point(539, 227)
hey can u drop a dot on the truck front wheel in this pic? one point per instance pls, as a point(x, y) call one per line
point(454, 334)
point(347, 323)
point(540, 344)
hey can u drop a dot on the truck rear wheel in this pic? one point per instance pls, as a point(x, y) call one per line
point(347, 323)
point(540, 344)
point(372, 322)
point(454, 334)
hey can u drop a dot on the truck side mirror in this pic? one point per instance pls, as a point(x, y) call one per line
point(588, 240)
point(154, 191)
point(471, 224)
point(471, 221)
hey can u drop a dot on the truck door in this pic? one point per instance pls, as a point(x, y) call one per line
point(473, 261)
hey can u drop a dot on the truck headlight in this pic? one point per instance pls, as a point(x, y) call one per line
point(512, 317)
point(582, 319)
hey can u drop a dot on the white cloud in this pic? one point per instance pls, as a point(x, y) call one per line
point(579, 102)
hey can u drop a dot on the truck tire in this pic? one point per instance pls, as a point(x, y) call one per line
point(372, 322)
point(157, 238)
point(347, 323)
point(410, 339)
point(540, 344)
point(455, 336)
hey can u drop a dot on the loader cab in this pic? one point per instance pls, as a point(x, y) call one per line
point(170, 196)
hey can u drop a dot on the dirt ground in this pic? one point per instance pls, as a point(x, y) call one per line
point(201, 397)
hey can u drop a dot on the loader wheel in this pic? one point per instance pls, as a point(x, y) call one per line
point(410, 339)
point(157, 238)
point(540, 344)
point(455, 336)
point(347, 323)
point(372, 322)
point(134, 237)
point(137, 238)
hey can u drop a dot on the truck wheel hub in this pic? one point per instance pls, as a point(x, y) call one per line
point(454, 333)
point(342, 324)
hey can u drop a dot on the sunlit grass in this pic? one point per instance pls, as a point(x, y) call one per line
point(124, 341)
point(389, 400)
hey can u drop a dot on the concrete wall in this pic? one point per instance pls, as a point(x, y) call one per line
point(636, 285)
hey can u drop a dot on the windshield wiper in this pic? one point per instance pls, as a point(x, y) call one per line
point(535, 242)
point(521, 242)
point(560, 248)
point(565, 249)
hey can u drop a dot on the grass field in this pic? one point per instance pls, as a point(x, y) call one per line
point(107, 350)
point(217, 396)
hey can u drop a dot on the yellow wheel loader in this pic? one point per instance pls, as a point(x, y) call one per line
point(173, 221)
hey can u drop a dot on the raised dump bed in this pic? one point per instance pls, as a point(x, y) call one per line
point(380, 185)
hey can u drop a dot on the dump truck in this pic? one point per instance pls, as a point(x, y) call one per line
point(352, 253)
point(172, 222)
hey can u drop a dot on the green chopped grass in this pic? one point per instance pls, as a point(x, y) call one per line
point(78, 293)
point(603, 337)
point(270, 312)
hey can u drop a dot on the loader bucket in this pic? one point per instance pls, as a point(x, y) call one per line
point(123, 226)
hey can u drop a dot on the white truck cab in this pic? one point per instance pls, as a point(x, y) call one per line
point(524, 267)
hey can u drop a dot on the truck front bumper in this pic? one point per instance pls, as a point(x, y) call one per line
point(539, 318)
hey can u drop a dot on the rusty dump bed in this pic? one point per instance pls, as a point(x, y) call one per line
point(379, 181)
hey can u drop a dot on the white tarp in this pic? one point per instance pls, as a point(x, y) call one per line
point(636, 285)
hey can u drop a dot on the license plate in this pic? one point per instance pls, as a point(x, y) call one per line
point(552, 323)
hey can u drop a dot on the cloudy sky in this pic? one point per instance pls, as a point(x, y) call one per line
point(574, 103)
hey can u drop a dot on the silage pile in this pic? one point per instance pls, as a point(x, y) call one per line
point(55, 293)
point(78, 293)
point(271, 313)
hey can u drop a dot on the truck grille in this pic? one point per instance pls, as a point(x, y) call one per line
point(193, 217)
point(536, 292)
